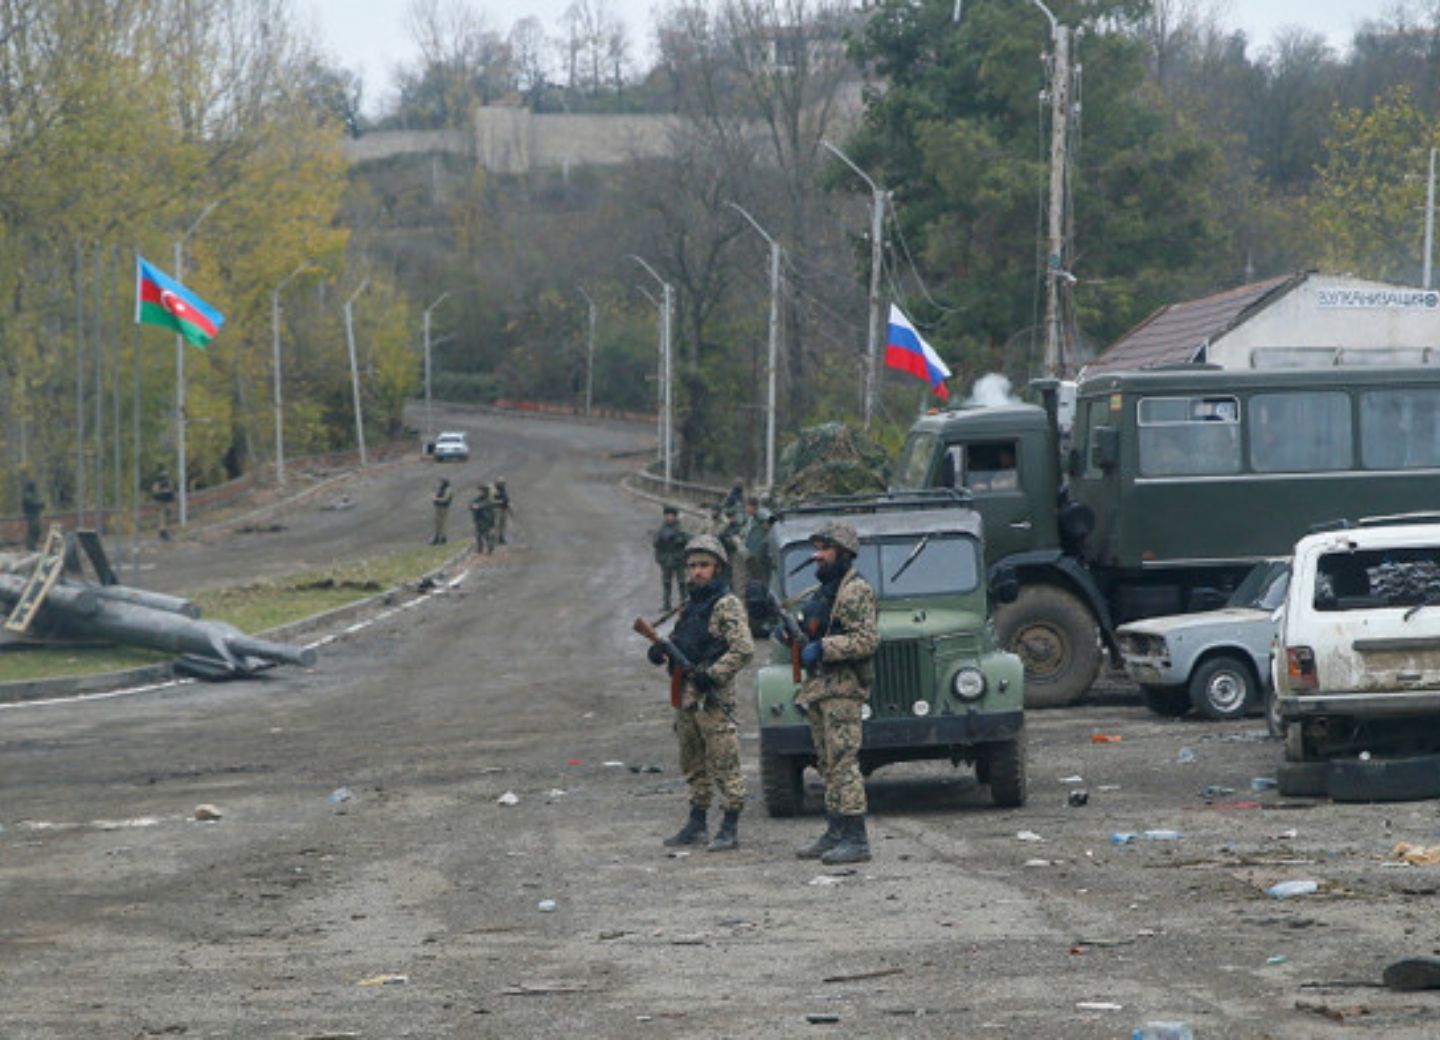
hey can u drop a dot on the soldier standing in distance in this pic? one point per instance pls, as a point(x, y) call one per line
point(441, 500)
point(669, 544)
point(753, 536)
point(839, 620)
point(33, 506)
point(502, 509)
point(713, 634)
point(482, 512)
point(162, 490)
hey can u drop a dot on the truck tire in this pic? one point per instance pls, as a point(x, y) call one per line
point(1056, 638)
point(1408, 779)
point(1168, 701)
point(1223, 687)
point(1303, 779)
point(782, 780)
point(1005, 772)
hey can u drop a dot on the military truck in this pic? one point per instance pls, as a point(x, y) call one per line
point(943, 688)
point(1175, 482)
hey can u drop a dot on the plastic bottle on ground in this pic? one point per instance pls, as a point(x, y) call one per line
point(1164, 1031)
point(1288, 889)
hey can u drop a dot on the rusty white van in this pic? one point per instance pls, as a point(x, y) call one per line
point(1356, 668)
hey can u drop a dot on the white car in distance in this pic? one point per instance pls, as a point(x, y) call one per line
point(451, 447)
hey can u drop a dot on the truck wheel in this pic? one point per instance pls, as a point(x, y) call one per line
point(1005, 770)
point(1222, 687)
point(1303, 779)
point(1056, 638)
point(782, 779)
point(1168, 701)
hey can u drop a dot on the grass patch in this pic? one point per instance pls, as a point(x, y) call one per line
point(252, 608)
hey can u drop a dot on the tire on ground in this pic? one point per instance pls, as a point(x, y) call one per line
point(1168, 701)
point(1303, 779)
point(1056, 637)
point(1005, 771)
point(1223, 687)
point(1377, 779)
point(782, 781)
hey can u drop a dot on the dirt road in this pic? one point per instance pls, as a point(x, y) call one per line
point(122, 916)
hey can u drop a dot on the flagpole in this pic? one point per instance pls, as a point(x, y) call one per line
point(180, 367)
point(135, 436)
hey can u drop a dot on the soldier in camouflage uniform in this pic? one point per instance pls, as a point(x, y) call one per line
point(839, 622)
point(713, 633)
point(33, 506)
point(669, 544)
point(482, 511)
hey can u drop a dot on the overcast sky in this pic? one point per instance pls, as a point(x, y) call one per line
point(370, 35)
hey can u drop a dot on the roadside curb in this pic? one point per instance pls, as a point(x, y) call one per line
point(323, 623)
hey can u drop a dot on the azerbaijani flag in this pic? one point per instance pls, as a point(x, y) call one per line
point(161, 300)
point(905, 350)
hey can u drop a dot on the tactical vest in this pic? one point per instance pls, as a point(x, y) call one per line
point(692, 636)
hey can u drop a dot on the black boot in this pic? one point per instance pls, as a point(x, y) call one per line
point(826, 841)
point(854, 847)
point(726, 838)
point(693, 833)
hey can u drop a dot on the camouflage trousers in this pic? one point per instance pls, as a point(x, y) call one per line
point(835, 729)
point(671, 576)
point(484, 539)
point(710, 756)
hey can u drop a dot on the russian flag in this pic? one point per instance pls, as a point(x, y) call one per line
point(905, 350)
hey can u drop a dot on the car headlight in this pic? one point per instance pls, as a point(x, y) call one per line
point(969, 684)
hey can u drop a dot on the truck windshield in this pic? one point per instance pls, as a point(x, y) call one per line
point(949, 564)
point(915, 461)
point(1263, 588)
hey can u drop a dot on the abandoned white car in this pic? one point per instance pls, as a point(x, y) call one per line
point(452, 447)
point(1215, 661)
point(1357, 662)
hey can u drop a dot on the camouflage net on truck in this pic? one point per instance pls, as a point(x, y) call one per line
point(830, 459)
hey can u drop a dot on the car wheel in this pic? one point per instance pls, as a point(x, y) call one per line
point(1223, 687)
point(1005, 770)
point(1055, 636)
point(1303, 779)
point(1408, 779)
point(1169, 701)
point(782, 780)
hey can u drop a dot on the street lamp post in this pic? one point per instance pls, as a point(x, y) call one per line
point(180, 368)
point(429, 415)
point(279, 400)
point(659, 371)
point(1055, 243)
point(355, 371)
point(667, 414)
point(774, 347)
point(589, 352)
point(877, 228)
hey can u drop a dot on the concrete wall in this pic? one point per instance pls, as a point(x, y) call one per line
point(1331, 319)
point(388, 143)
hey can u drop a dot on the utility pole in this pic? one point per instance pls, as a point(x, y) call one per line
point(279, 400)
point(184, 487)
point(659, 372)
point(1429, 218)
point(1055, 361)
point(877, 317)
point(429, 414)
point(774, 348)
point(667, 438)
point(355, 372)
point(589, 352)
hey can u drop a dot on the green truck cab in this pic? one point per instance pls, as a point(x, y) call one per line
point(943, 688)
point(1173, 484)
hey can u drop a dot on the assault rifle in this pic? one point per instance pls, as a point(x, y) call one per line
point(680, 665)
point(794, 638)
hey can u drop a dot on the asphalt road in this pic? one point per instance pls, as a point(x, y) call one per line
point(123, 916)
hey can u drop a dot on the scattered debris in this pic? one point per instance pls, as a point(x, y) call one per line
point(1098, 1005)
point(555, 792)
point(1278, 958)
point(1334, 1014)
point(508, 798)
point(394, 979)
point(877, 973)
point(1028, 836)
point(207, 812)
point(572, 761)
point(613, 933)
point(1291, 889)
point(614, 764)
point(821, 880)
point(1185, 755)
point(546, 906)
point(1123, 838)
point(1072, 780)
point(1078, 797)
point(339, 795)
point(1416, 855)
point(1264, 783)
point(1105, 738)
point(1215, 791)
point(1162, 834)
point(1038, 863)
point(525, 989)
point(822, 1019)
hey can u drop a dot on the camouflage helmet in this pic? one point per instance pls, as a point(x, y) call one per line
point(707, 543)
point(842, 536)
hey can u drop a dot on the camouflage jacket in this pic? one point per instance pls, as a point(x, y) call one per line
point(669, 543)
point(850, 641)
point(482, 511)
point(728, 624)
